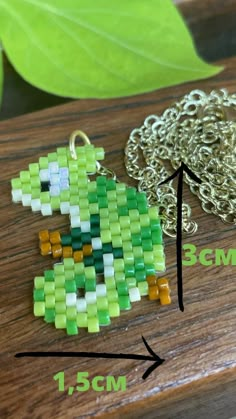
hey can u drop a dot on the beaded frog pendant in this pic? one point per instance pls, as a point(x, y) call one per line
point(110, 256)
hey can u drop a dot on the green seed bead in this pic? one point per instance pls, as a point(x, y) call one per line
point(49, 275)
point(144, 220)
point(92, 197)
point(93, 325)
point(55, 202)
point(49, 287)
point(132, 204)
point(117, 241)
point(71, 327)
point(122, 200)
point(99, 266)
point(35, 182)
point(99, 153)
point(125, 222)
point(26, 188)
point(74, 178)
point(113, 217)
point(70, 286)
point(95, 231)
point(135, 227)
point(111, 185)
point(52, 157)
point(106, 236)
point(102, 202)
point(110, 283)
point(160, 266)
point(148, 257)
point(153, 213)
point(84, 214)
point(129, 271)
point(50, 301)
point(141, 197)
point(79, 268)
point(112, 207)
point(71, 313)
point(89, 272)
point(60, 294)
point(69, 263)
point(60, 307)
point(45, 197)
point(146, 233)
point(39, 308)
point(101, 191)
point(39, 282)
point(90, 284)
point(84, 203)
point(65, 196)
point(61, 151)
point(157, 237)
point(115, 229)
point(74, 200)
point(124, 302)
point(25, 176)
point(92, 310)
point(82, 320)
point(39, 295)
point(80, 280)
point(140, 276)
point(103, 317)
point(150, 269)
point(128, 258)
point(111, 195)
point(43, 162)
point(83, 192)
point(102, 303)
point(143, 288)
point(49, 315)
point(69, 275)
point(34, 169)
point(119, 265)
point(16, 183)
point(125, 234)
point(123, 211)
point(119, 276)
point(134, 215)
point(142, 208)
point(120, 188)
point(59, 269)
point(114, 309)
point(101, 180)
point(35, 193)
point(136, 240)
point(131, 193)
point(127, 246)
point(92, 186)
point(104, 223)
point(155, 224)
point(122, 288)
point(138, 252)
point(118, 252)
point(139, 264)
point(112, 296)
point(104, 213)
point(131, 282)
point(147, 244)
point(62, 161)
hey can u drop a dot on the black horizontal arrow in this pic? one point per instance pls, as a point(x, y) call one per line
point(154, 357)
point(183, 168)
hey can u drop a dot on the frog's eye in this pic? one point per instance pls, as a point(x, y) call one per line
point(54, 179)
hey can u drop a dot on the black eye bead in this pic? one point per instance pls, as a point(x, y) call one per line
point(45, 186)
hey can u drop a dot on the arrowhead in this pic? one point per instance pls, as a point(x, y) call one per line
point(156, 358)
point(182, 168)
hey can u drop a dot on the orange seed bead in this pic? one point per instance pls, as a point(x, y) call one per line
point(165, 297)
point(153, 292)
point(55, 237)
point(46, 249)
point(67, 252)
point(78, 256)
point(44, 236)
point(56, 250)
point(152, 280)
point(163, 283)
point(87, 250)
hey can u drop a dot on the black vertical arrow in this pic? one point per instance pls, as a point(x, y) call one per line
point(183, 168)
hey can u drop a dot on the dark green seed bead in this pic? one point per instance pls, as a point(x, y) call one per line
point(157, 237)
point(75, 232)
point(71, 327)
point(66, 239)
point(101, 180)
point(132, 204)
point(39, 295)
point(118, 253)
point(107, 248)
point(140, 275)
point(103, 202)
point(92, 197)
point(142, 207)
point(97, 254)
point(90, 285)
point(86, 238)
point(88, 261)
point(141, 197)
point(49, 275)
point(70, 286)
point(94, 219)
point(103, 317)
point(146, 233)
point(99, 266)
point(122, 288)
point(49, 316)
point(95, 231)
point(150, 270)
point(131, 193)
point(101, 191)
point(124, 302)
point(76, 244)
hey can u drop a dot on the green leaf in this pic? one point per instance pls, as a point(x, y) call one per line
point(1, 74)
point(99, 48)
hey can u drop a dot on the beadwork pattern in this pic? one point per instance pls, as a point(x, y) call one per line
point(110, 257)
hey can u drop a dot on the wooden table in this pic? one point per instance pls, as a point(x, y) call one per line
point(198, 376)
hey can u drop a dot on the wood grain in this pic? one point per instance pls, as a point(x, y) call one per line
point(198, 377)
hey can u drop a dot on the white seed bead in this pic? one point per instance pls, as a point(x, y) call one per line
point(65, 207)
point(16, 195)
point(96, 243)
point(101, 290)
point(75, 221)
point(71, 299)
point(108, 259)
point(53, 167)
point(54, 190)
point(64, 184)
point(81, 305)
point(26, 199)
point(74, 210)
point(36, 204)
point(46, 209)
point(90, 297)
point(44, 175)
point(64, 173)
point(134, 294)
point(54, 179)
point(85, 226)
point(108, 271)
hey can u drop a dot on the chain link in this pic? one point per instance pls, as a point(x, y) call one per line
point(199, 130)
